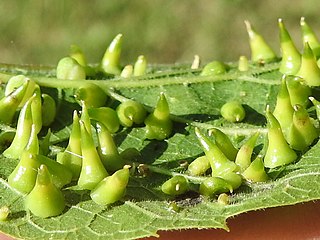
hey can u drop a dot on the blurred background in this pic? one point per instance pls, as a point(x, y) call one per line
point(165, 31)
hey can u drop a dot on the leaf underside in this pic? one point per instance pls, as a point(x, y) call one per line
point(194, 101)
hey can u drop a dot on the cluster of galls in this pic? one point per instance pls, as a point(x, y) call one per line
point(100, 169)
point(105, 172)
point(303, 65)
point(291, 131)
point(41, 178)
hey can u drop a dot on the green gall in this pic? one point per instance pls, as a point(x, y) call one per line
point(17, 81)
point(243, 64)
point(45, 199)
point(127, 71)
point(260, 50)
point(107, 149)
point(309, 70)
point(213, 186)
point(278, 152)
point(316, 103)
point(219, 163)
point(4, 213)
point(302, 132)
point(131, 112)
point(85, 117)
point(243, 159)
point(233, 178)
point(23, 132)
point(176, 185)
point(158, 123)
point(224, 143)
point(36, 109)
point(106, 116)
point(68, 68)
point(92, 170)
point(111, 59)
point(91, 94)
point(44, 143)
point(199, 166)
point(283, 111)
point(33, 143)
point(223, 199)
point(10, 103)
point(291, 58)
point(140, 66)
point(112, 188)
point(77, 54)
point(308, 36)
point(48, 110)
point(298, 91)
point(214, 68)
point(60, 174)
point(256, 172)
point(72, 156)
point(233, 111)
point(23, 177)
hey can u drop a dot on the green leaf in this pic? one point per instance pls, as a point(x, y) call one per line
point(194, 101)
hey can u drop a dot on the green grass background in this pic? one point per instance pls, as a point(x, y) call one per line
point(165, 31)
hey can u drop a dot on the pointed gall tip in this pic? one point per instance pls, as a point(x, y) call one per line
point(141, 59)
point(311, 99)
point(115, 44)
point(249, 28)
point(248, 25)
point(42, 167)
point(197, 131)
point(98, 127)
point(302, 21)
point(81, 123)
point(307, 51)
point(162, 95)
point(127, 166)
point(75, 116)
point(43, 176)
point(283, 79)
point(268, 108)
point(119, 36)
point(299, 108)
point(130, 117)
point(210, 132)
point(196, 62)
point(281, 24)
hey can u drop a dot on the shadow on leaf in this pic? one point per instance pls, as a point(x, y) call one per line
point(17, 215)
point(253, 117)
point(200, 117)
point(153, 150)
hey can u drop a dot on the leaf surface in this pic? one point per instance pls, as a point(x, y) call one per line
point(194, 101)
